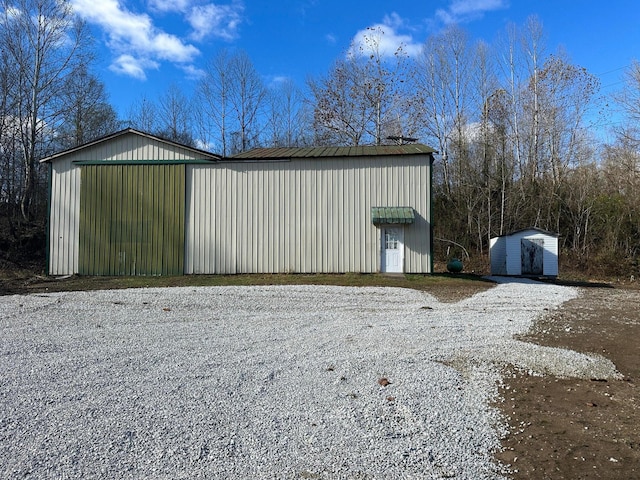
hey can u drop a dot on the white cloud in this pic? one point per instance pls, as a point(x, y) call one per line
point(386, 39)
point(170, 5)
point(276, 81)
point(132, 67)
point(460, 11)
point(206, 20)
point(192, 72)
point(134, 37)
point(170, 47)
point(220, 21)
point(394, 20)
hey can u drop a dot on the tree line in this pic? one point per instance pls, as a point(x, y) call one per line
point(518, 127)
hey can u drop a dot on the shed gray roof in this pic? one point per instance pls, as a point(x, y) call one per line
point(318, 152)
point(539, 230)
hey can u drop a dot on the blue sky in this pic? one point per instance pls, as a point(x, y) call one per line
point(144, 46)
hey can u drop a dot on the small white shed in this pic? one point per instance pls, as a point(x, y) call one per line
point(531, 252)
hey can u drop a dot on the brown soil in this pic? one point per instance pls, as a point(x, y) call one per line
point(579, 428)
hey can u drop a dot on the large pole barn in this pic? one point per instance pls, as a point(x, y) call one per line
point(132, 203)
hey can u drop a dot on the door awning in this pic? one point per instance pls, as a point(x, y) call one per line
point(392, 215)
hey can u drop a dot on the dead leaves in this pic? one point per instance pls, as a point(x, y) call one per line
point(384, 382)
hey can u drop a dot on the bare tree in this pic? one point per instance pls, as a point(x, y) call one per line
point(442, 87)
point(533, 46)
point(174, 116)
point(385, 79)
point(231, 98)
point(143, 115)
point(247, 95)
point(363, 98)
point(566, 92)
point(579, 192)
point(615, 230)
point(285, 119)
point(86, 111)
point(491, 173)
point(213, 103)
point(629, 101)
point(340, 111)
point(42, 40)
point(496, 118)
point(510, 143)
point(10, 162)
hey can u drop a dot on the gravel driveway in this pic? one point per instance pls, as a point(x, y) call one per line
point(265, 382)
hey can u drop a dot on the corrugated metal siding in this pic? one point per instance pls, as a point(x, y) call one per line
point(498, 252)
point(128, 135)
point(302, 216)
point(133, 147)
point(64, 218)
point(551, 255)
point(132, 220)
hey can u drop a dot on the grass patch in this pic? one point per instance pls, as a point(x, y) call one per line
point(441, 285)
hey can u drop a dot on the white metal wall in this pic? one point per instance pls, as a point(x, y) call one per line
point(64, 218)
point(134, 147)
point(304, 215)
point(550, 256)
point(497, 253)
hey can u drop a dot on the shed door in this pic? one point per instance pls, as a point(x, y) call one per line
point(132, 220)
point(532, 252)
point(392, 249)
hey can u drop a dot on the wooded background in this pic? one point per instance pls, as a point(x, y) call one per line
point(519, 128)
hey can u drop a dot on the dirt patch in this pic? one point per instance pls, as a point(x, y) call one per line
point(569, 428)
point(445, 287)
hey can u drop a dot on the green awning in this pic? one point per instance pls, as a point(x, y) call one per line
point(392, 215)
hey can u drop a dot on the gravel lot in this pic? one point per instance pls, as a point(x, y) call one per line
point(265, 382)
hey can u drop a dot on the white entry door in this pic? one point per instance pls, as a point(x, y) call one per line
point(392, 249)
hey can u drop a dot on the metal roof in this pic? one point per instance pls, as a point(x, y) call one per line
point(392, 215)
point(539, 230)
point(319, 152)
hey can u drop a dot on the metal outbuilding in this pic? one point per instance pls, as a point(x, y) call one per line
point(531, 252)
point(132, 203)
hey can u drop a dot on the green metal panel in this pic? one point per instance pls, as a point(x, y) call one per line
point(145, 162)
point(392, 215)
point(332, 152)
point(132, 220)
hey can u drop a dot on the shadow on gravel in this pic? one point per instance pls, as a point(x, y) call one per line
point(577, 283)
point(553, 281)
